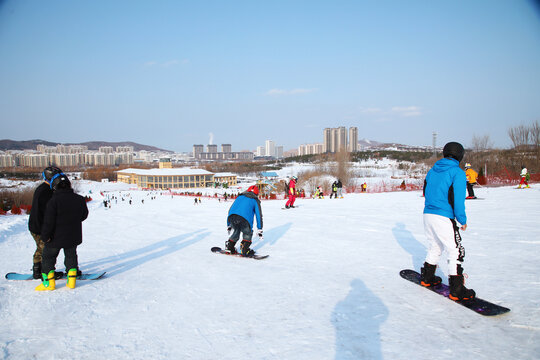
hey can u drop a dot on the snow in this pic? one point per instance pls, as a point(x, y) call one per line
point(329, 290)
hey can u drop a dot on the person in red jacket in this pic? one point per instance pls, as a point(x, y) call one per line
point(292, 193)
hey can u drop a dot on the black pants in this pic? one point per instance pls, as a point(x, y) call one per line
point(48, 260)
point(240, 225)
point(470, 189)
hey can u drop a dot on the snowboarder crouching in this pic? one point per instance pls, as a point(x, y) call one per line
point(444, 208)
point(62, 229)
point(240, 220)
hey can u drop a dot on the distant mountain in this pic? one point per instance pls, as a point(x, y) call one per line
point(92, 145)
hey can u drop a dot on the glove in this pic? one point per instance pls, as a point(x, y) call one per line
point(229, 228)
point(260, 234)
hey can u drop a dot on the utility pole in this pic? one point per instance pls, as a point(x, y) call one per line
point(434, 144)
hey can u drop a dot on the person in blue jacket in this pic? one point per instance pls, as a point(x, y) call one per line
point(240, 220)
point(444, 215)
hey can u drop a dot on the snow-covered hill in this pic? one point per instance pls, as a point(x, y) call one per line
point(329, 290)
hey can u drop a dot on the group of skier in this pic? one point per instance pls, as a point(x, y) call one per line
point(57, 214)
point(55, 223)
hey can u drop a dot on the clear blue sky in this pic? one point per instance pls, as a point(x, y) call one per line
point(169, 73)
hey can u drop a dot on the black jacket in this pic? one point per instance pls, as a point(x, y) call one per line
point(42, 195)
point(62, 225)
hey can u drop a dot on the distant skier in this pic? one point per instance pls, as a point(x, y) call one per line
point(41, 197)
point(62, 229)
point(524, 177)
point(292, 193)
point(444, 208)
point(472, 177)
point(339, 189)
point(364, 187)
point(240, 220)
point(334, 190)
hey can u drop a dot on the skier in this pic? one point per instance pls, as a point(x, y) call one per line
point(240, 220)
point(41, 197)
point(364, 187)
point(339, 189)
point(471, 180)
point(524, 177)
point(292, 193)
point(444, 208)
point(334, 190)
point(62, 229)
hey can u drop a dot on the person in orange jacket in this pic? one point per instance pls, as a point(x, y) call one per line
point(472, 177)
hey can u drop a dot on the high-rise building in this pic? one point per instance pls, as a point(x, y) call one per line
point(226, 148)
point(270, 148)
point(353, 139)
point(327, 140)
point(261, 151)
point(197, 151)
point(211, 148)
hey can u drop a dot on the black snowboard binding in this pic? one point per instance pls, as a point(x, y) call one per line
point(230, 245)
point(458, 291)
point(244, 247)
point(428, 277)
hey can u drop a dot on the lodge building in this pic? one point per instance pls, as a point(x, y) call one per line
point(173, 178)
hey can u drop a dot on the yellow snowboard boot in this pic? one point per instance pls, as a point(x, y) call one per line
point(49, 283)
point(72, 278)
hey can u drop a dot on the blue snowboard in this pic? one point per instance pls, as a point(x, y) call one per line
point(480, 306)
point(84, 276)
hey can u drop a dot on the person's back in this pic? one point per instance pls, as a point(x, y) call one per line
point(240, 220)
point(445, 190)
point(63, 219)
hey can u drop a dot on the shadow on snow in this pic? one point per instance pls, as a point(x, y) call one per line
point(134, 258)
point(357, 320)
point(272, 236)
point(408, 242)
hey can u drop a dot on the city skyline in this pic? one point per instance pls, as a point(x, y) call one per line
point(171, 72)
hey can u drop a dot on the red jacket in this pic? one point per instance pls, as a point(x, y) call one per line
point(292, 187)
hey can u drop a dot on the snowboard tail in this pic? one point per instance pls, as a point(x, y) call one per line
point(480, 306)
point(219, 250)
point(83, 276)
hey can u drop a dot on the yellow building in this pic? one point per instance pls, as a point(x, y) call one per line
point(228, 178)
point(177, 178)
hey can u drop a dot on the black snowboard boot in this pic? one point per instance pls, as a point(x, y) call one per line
point(229, 245)
point(427, 275)
point(246, 251)
point(36, 271)
point(458, 291)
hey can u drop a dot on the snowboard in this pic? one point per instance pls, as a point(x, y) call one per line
point(480, 306)
point(295, 206)
point(477, 198)
point(84, 276)
point(219, 250)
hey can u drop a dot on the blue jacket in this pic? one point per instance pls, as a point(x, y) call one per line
point(445, 188)
point(248, 206)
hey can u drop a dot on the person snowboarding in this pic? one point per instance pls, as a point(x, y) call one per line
point(524, 177)
point(240, 220)
point(292, 193)
point(472, 177)
point(62, 229)
point(41, 197)
point(444, 211)
point(339, 189)
point(334, 190)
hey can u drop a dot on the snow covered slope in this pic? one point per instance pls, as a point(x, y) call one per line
point(329, 290)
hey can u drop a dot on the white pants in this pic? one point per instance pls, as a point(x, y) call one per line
point(443, 234)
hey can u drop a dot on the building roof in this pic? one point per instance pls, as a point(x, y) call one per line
point(224, 174)
point(166, 172)
point(269, 174)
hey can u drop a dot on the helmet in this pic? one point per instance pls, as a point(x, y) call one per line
point(60, 181)
point(49, 172)
point(454, 150)
point(295, 178)
point(467, 166)
point(254, 189)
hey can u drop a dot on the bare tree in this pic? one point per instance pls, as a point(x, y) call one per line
point(520, 135)
point(481, 143)
point(535, 134)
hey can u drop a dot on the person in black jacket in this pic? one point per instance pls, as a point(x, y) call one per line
point(62, 229)
point(42, 195)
